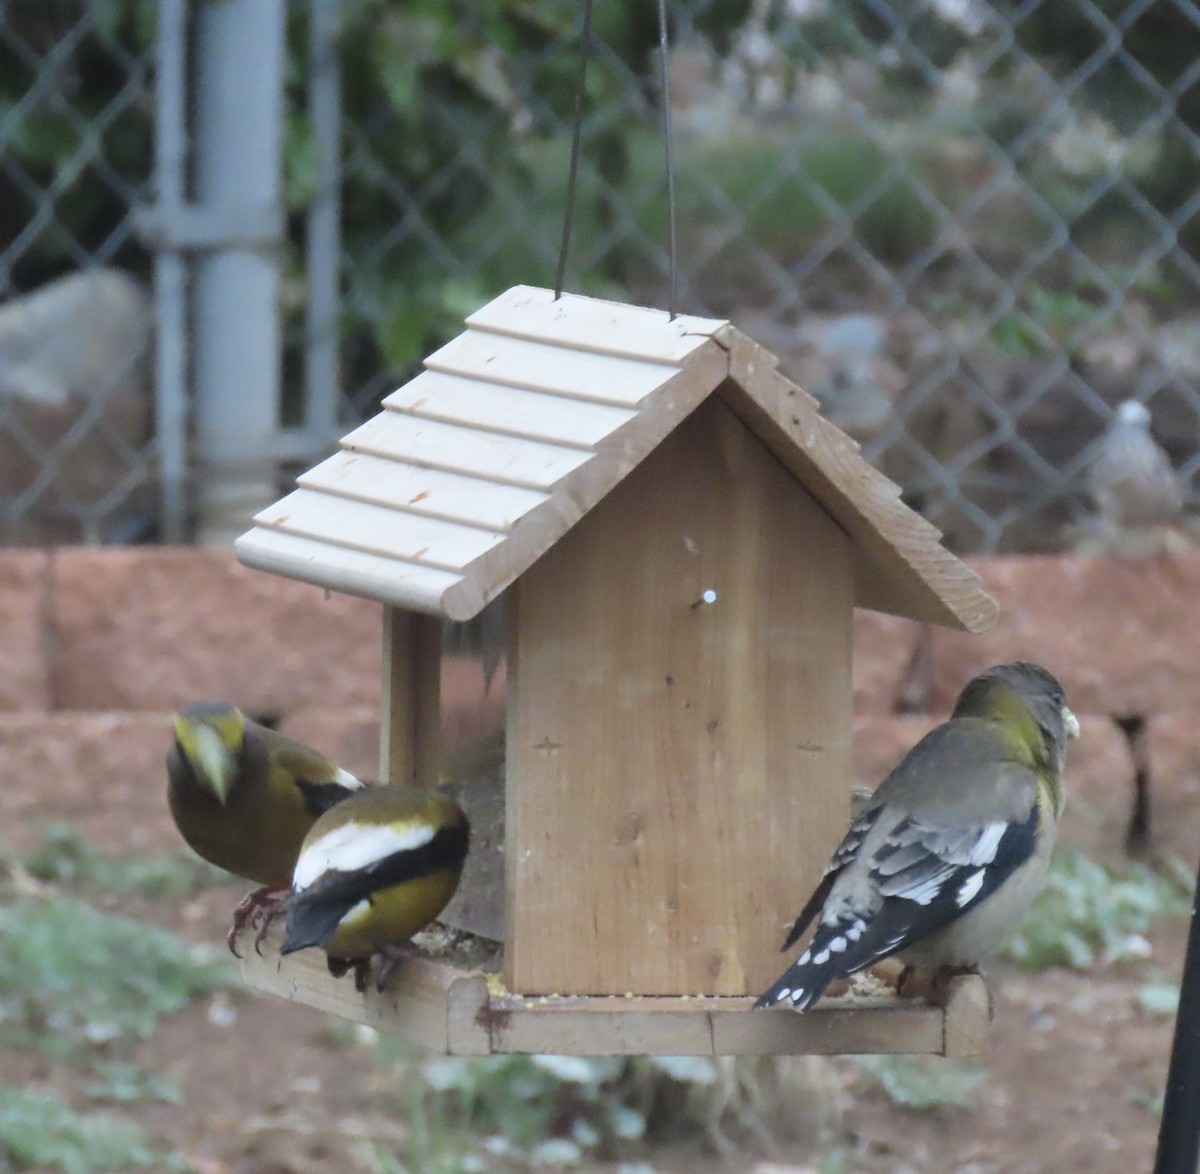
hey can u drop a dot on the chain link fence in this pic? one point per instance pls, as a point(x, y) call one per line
point(970, 227)
point(76, 328)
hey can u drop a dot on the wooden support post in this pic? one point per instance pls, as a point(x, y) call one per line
point(412, 657)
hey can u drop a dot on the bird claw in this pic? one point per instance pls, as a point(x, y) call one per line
point(362, 973)
point(257, 910)
point(390, 959)
point(361, 967)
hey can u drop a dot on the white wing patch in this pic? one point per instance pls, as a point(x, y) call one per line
point(984, 849)
point(344, 778)
point(925, 890)
point(969, 889)
point(355, 913)
point(351, 846)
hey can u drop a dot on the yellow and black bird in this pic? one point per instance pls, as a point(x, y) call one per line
point(373, 871)
point(244, 797)
point(948, 854)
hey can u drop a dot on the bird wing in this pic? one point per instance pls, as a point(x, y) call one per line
point(843, 855)
point(320, 782)
point(320, 797)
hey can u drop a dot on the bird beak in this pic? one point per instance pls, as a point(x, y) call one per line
point(209, 756)
point(1070, 723)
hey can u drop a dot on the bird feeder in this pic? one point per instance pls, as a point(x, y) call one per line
point(680, 539)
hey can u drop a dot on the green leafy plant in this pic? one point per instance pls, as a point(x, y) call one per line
point(922, 1083)
point(512, 1113)
point(1151, 1101)
point(1089, 913)
point(1159, 999)
point(72, 978)
point(39, 1131)
point(121, 1082)
point(65, 857)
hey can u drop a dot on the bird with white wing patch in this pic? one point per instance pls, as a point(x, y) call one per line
point(951, 849)
point(371, 873)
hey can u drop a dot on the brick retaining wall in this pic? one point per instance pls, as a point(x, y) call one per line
point(99, 645)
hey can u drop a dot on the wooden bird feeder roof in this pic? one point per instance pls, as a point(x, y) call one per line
point(523, 423)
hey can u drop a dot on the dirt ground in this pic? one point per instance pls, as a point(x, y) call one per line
point(274, 1088)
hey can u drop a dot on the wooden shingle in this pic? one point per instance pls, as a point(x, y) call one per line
point(521, 424)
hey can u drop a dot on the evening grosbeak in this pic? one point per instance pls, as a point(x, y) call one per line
point(947, 855)
point(373, 871)
point(244, 797)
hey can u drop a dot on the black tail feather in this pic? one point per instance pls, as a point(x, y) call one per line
point(807, 981)
point(836, 951)
point(312, 918)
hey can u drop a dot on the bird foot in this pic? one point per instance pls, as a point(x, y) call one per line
point(361, 967)
point(257, 910)
point(391, 958)
point(935, 987)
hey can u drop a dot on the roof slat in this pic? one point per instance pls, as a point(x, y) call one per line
point(429, 480)
point(529, 414)
point(593, 325)
point(535, 366)
point(354, 572)
point(507, 459)
point(469, 500)
point(375, 529)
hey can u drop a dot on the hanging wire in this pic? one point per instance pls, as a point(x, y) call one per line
point(666, 109)
point(585, 45)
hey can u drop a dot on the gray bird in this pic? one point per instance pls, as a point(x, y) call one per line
point(948, 854)
point(1130, 478)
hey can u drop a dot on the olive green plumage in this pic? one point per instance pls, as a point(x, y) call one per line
point(949, 852)
point(244, 796)
point(373, 871)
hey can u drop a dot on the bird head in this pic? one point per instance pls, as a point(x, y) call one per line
point(1028, 703)
point(1131, 411)
point(210, 736)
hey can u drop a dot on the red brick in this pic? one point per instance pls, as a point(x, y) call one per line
point(349, 737)
point(883, 650)
point(154, 629)
point(104, 772)
point(1100, 790)
point(24, 664)
point(881, 740)
point(1173, 742)
point(1122, 635)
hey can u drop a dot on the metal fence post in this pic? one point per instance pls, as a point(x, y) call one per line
point(170, 148)
point(322, 385)
point(238, 148)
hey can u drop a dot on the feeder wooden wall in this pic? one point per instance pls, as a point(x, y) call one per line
point(682, 767)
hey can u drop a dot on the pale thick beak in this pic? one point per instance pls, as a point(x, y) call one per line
point(210, 757)
point(1070, 723)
